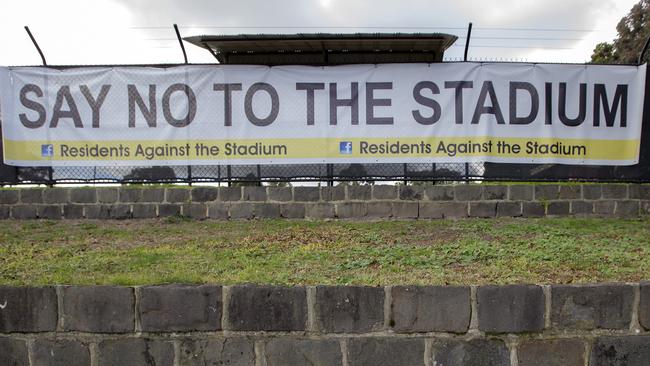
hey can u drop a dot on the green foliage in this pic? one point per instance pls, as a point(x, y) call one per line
point(604, 54)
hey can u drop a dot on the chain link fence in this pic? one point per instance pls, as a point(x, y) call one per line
point(324, 173)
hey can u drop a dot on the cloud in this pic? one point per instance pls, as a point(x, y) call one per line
point(128, 31)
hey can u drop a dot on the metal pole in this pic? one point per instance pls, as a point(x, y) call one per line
point(469, 35)
point(50, 172)
point(329, 168)
point(29, 33)
point(180, 42)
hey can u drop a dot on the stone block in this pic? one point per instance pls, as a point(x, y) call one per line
point(241, 210)
point(99, 212)
point(439, 193)
point(28, 309)
point(582, 208)
point(380, 210)
point(218, 210)
point(468, 192)
point(558, 208)
point(614, 191)
point(119, 212)
point(293, 210)
point(204, 194)
point(267, 308)
point(509, 209)
point(303, 352)
point(60, 352)
point(419, 309)
point(306, 194)
point(73, 211)
point(437, 210)
point(179, 308)
point(56, 195)
point(627, 208)
point(359, 192)
point(13, 352)
point(50, 212)
point(279, 194)
point(620, 351)
point(495, 192)
point(405, 210)
point(107, 195)
point(644, 305)
point(168, 210)
point(320, 210)
point(386, 352)
point(349, 309)
point(135, 351)
point(83, 195)
point(130, 194)
point(432, 210)
point(570, 192)
point(98, 309)
point(253, 193)
point(521, 192)
point(267, 210)
point(639, 191)
point(645, 207)
point(235, 351)
point(554, 352)
point(230, 193)
point(533, 209)
point(510, 309)
point(411, 193)
point(32, 195)
point(475, 352)
point(155, 195)
point(590, 307)
point(604, 208)
point(144, 211)
point(351, 210)
point(547, 192)
point(96, 212)
point(195, 210)
point(5, 212)
point(384, 192)
point(482, 209)
point(9, 196)
point(24, 212)
point(336, 193)
point(592, 191)
point(177, 195)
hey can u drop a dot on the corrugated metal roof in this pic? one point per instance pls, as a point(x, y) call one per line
point(325, 48)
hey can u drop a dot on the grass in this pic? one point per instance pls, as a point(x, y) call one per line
point(139, 252)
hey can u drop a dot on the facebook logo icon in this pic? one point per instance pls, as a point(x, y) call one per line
point(47, 150)
point(345, 147)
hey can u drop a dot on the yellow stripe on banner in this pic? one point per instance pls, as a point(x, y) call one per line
point(323, 148)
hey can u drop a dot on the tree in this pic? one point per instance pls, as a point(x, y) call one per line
point(633, 31)
point(604, 54)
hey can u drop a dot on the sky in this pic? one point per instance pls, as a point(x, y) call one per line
point(87, 32)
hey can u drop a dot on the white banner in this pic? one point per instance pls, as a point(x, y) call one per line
point(397, 113)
